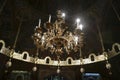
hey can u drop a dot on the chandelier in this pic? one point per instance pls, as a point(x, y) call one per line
point(56, 37)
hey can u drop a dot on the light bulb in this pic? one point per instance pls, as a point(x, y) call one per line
point(78, 20)
point(80, 27)
point(63, 15)
point(76, 39)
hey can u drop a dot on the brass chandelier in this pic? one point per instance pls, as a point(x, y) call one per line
point(56, 37)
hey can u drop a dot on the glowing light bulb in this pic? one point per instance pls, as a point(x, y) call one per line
point(63, 15)
point(78, 20)
point(80, 27)
point(76, 39)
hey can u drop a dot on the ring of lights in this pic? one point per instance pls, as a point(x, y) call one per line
point(18, 56)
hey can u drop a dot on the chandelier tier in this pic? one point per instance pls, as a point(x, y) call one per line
point(56, 37)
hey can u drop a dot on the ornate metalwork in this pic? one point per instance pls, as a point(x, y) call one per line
point(56, 37)
point(88, 60)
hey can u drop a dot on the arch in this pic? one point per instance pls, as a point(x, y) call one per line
point(25, 56)
point(47, 60)
point(69, 60)
point(19, 77)
point(92, 57)
point(2, 44)
point(116, 47)
point(91, 78)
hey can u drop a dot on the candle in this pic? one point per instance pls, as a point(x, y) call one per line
point(81, 26)
point(39, 23)
point(43, 38)
point(76, 40)
point(63, 15)
point(49, 18)
point(77, 21)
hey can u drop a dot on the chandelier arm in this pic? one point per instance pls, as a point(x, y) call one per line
point(116, 12)
point(18, 32)
point(101, 38)
point(3, 5)
point(14, 45)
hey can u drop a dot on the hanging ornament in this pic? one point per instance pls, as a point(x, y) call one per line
point(34, 68)
point(58, 70)
point(82, 70)
point(108, 65)
point(8, 63)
